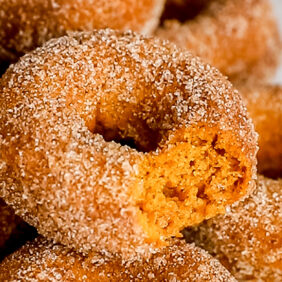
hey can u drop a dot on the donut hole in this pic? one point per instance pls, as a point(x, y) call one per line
point(192, 178)
point(145, 146)
point(130, 142)
point(183, 10)
point(3, 67)
point(139, 137)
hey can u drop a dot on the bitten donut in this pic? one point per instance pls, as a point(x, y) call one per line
point(264, 103)
point(237, 36)
point(44, 261)
point(26, 24)
point(248, 239)
point(68, 111)
point(13, 231)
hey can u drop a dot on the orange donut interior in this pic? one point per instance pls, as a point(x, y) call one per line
point(193, 178)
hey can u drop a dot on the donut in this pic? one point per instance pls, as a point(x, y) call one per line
point(248, 239)
point(13, 230)
point(115, 142)
point(238, 37)
point(27, 24)
point(44, 261)
point(264, 103)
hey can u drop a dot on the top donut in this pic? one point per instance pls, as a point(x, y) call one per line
point(26, 24)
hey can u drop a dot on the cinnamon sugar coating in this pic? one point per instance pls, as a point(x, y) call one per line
point(26, 24)
point(248, 239)
point(264, 103)
point(13, 230)
point(239, 37)
point(67, 108)
point(42, 260)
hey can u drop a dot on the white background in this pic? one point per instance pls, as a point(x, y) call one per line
point(277, 7)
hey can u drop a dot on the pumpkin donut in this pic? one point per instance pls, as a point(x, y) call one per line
point(42, 260)
point(238, 37)
point(68, 111)
point(27, 24)
point(13, 230)
point(264, 103)
point(248, 239)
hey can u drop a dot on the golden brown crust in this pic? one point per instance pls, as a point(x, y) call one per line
point(26, 24)
point(13, 230)
point(59, 102)
point(248, 239)
point(264, 103)
point(42, 261)
point(238, 37)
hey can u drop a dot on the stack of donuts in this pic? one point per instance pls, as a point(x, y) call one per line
point(136, 143)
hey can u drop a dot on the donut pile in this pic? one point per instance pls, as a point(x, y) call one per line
point(134, 159)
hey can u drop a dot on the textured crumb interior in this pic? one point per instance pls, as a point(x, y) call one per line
point(191, 179)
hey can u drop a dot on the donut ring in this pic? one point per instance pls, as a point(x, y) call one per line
point(26, 24)
point(43, 260)
point(64, 103)
point(247, 240)
point(264, 103)
point(233, 35)
point(13, 231)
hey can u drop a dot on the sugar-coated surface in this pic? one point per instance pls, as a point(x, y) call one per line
point(42, 261)
point(240, 37)
point(26, 24)
point(248, 238)
point(67, 181)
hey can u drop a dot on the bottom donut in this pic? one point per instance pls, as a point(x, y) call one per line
point(248, 239)
point(41, 260)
